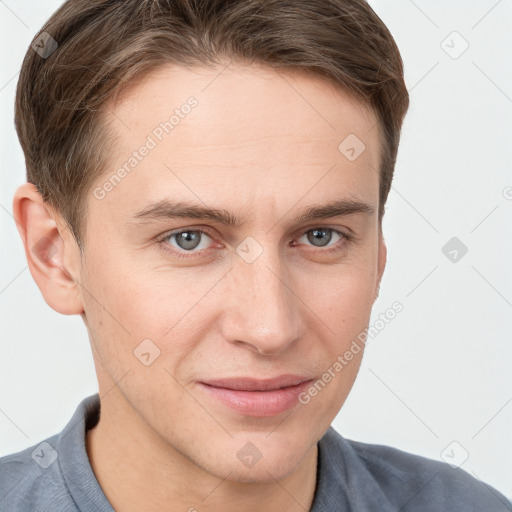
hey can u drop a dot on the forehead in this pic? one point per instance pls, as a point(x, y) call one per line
point(236, 134)
point(274, 100)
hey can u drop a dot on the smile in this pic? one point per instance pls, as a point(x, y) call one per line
point(257, 398)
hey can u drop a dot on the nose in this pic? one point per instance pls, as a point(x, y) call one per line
point(263, 311)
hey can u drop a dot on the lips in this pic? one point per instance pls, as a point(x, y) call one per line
point(248, 384)
point(256, 397)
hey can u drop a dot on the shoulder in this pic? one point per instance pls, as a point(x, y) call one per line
point(31, 480)
point(406, 481)
point(54, 475)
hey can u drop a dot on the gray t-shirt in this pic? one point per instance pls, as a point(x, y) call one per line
point(56, 476)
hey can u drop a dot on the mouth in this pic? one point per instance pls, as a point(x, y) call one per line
point(256, 397)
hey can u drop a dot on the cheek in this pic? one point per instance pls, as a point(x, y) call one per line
point(165, 304)
point(132, 305)
point(345, 307)
point(344, 298)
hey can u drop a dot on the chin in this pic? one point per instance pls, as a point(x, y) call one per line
point(260, 458)
point(264, 472)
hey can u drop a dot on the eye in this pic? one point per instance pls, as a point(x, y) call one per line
point(185, 241)
point(321, 236)
point(188, 243)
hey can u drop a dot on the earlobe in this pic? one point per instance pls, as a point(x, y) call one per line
point(52, 254)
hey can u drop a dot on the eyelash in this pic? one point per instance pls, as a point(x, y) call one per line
point(162, 241)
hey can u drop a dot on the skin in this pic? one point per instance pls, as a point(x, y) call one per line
point(262, 144)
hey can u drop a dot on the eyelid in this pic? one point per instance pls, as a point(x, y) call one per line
point(344, 237)
point(160, 239)
point(345, 231)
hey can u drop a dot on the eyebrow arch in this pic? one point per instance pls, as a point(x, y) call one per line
point(165, 209)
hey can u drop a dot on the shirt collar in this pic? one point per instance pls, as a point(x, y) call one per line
point(343, 480)
point(346, 481)
point(73, 459)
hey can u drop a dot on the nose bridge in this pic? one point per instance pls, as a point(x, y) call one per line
point(263, 310)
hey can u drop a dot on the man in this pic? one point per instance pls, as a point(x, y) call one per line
point(185, 161)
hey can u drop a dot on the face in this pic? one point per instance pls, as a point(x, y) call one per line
point(182, 309)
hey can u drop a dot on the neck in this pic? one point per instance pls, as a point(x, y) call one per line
point(138, 470)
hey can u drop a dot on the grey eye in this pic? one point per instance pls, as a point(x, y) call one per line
point(188, 240)
point(319, 237)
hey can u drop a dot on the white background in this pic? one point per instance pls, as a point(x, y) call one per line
point(440, 371)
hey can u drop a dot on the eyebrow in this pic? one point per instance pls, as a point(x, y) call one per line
point(165, 210)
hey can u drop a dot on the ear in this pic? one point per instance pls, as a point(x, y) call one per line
point(52, 253)
point(381, 262)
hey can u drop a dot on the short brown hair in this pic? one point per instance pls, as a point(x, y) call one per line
point(103, 45)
